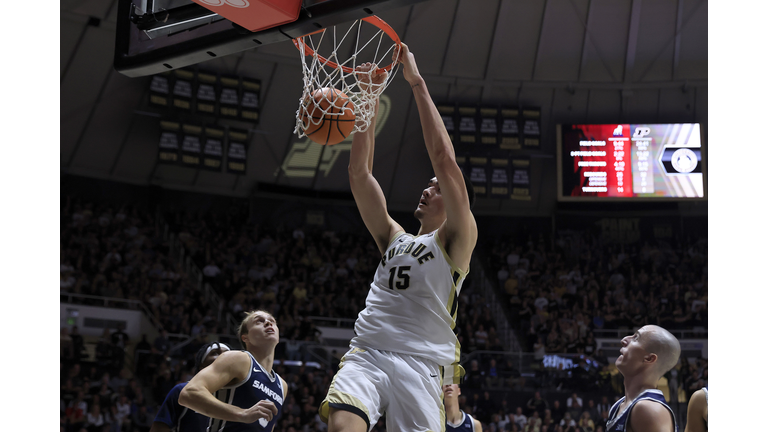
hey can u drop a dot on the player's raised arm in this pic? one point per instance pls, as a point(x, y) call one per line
point(460, 228)
point(366, 190)
point(230, 367)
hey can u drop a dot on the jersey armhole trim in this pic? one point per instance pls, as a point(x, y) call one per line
point(454, 267)
point(395, 237)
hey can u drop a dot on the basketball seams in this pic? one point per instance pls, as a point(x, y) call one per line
point(331, 109)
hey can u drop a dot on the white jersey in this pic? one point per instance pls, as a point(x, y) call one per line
point(411, 306)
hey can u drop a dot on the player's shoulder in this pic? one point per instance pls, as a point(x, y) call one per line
point(699, 396)
point(650, 415)
point(233, 358)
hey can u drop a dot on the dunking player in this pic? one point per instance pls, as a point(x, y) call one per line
point(240, 391)
point(457, 420)
point(698, 411)
point(644, 358)
point(404, 337)
point(173, 417)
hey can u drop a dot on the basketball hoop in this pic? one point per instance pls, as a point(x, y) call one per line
point(368, 39)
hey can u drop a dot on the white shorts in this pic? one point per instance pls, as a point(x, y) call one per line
point(371, 382)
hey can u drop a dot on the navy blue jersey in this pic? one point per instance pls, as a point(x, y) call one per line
point(467, 424)
point(259, 385)
point(618, 421)
point(180, 418)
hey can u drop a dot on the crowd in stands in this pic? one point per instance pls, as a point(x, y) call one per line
point(557, 295)
point(295, 273)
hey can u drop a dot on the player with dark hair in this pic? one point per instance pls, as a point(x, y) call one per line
point(405, 347)
point(456, 420)
point(644, 358)
point(172, 417)
point(240, 391)
point(698, 411)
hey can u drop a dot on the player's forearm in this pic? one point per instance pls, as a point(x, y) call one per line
point(361, 154)
point(203, 402)
point(436, 137)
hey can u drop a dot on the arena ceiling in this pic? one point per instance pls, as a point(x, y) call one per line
point(578, 60)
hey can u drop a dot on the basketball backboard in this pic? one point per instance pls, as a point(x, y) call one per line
point(155, 36)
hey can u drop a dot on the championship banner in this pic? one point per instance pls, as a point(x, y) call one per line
point(191, 145)
point(489, 126)
point(249, 105)
point(159, 90)
point(236, 151)
point(182, 89)
point(499, 178)
point(448, 114)
point(169, 142)
point(205, 100)
point(213, 151)
point(468, 128)
point(479, 175)
point(229, 98)
point(521, 179)
point(531, 127)
point(510, 129)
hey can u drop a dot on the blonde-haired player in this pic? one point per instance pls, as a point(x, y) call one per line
point(240, 391)
point(404, 337)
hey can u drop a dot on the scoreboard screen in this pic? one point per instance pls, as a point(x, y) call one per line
point(617, 162)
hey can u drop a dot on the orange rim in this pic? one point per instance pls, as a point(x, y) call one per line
point(373, 19)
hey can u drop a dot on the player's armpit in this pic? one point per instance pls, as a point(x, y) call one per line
point(649, 416)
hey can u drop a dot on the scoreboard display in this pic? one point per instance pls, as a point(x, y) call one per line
point(598, 162)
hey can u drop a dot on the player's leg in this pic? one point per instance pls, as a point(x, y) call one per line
point(356, 397)
point(416, 401)
point(340, 420)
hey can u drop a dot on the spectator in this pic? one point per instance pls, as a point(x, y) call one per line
point(519, 418)
point(536, 404)
point(94, 421)
point(558, 411)
point(75, 413)
point(586, 422)
point(78, 346)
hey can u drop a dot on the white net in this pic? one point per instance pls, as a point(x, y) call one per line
point(365, 41)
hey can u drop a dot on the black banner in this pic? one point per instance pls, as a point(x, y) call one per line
point(159, 90)
point(510, 129)
point(236, 152)
point(489, 127)
point(249, 105)
point(229, 98)
point(169, 142)
point(521, 179)
point(205, 101)
point(191, 145)
point(182, 89)
point(468, 128)
point(448, 114)
point(479, 175)
point(531, 127)
point(213, 151)
point(499, 178)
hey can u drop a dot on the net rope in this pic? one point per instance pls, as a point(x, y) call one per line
point(318, 74)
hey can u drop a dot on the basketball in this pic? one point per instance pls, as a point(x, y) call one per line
point(332, 116)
